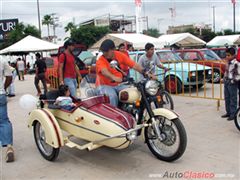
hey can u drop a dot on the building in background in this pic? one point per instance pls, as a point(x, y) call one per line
point(185, 28)
point(117, 23)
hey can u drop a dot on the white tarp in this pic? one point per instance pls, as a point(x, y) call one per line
point(221, 41)
point(181, 39)
point(29, 44)
point(137, 40)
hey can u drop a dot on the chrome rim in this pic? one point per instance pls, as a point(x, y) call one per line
point(41, 140)
point(170, 145)
point(216, 77)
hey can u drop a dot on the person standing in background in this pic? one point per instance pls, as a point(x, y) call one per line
point(11, 88)
point(21, 69)
point(231, 80)
point(122, 49)
point(41, 68)
point(6, 135)
point(68, 70)
point(238, 59)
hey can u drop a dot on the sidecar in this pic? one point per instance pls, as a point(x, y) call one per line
point(93, 120)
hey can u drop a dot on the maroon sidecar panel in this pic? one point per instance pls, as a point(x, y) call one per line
point(100, 106)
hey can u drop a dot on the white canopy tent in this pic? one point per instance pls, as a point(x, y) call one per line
point(181, 39)
point(221, 41)
point(29, 44)
point(137, 40)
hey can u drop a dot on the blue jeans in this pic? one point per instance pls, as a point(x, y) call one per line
point(6, 137)
point(112, 92)
point(230, 95)
point(72, 85)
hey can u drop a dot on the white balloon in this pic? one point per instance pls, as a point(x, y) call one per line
point(28, 102)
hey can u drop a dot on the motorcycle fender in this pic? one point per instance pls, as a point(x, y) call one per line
point(163, 112)
point(53, 133)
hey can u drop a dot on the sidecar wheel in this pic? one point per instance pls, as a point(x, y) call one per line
point(48, 152)
point(176, 138)
point(237, 119)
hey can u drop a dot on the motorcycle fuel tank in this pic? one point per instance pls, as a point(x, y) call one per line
point(129, 95)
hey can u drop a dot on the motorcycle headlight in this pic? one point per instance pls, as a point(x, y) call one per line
point(152, 87)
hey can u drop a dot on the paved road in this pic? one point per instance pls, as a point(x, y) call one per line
point(213, 146)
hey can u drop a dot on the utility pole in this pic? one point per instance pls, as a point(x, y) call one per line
point(55, 19)
point(39, 20)
point(214, 25)
point(234, 15)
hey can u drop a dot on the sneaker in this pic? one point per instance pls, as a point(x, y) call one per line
point(10, 155)
point(225, 116)
point(231, 118)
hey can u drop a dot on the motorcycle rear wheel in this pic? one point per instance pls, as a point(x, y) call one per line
point(166, 101)
point(171, 137)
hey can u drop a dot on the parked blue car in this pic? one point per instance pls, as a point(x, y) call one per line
point(182, 74)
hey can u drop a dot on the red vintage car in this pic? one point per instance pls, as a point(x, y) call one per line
point(205, 57)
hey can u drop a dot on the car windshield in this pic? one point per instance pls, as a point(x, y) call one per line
point(169, 56)
point(210, 55)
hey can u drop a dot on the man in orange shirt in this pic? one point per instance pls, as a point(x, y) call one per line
point(122, 49)
point(108, 78)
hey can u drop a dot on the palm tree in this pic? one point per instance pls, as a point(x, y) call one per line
point(47, 20)
point(70, 26)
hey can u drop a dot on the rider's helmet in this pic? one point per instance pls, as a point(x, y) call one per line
point(107, 45)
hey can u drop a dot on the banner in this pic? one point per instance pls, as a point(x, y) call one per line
point(6, 26)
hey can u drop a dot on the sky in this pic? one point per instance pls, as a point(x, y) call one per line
point(187, 12)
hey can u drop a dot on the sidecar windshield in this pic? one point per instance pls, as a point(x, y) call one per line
point(87, 87)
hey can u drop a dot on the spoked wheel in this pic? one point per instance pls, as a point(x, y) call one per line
point(174, 142)
point(166, 100)
point(48, 152)
point(216, 76)
point(237, 119)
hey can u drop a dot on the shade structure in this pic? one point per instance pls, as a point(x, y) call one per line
point(221, 41)
point(181, 39)
point(29, 44)
point(137, 40)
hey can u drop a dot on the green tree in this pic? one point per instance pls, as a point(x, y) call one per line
point(47, 20)
point(153, 32)
point(69, 27)
point(88, 34)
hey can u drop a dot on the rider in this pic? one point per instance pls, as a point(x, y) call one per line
point(108, 78)
point(150, 57)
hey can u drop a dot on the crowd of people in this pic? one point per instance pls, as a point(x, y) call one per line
point(107, 79)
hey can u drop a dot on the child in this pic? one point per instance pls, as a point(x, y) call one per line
point(64, 100)
point(231, 79)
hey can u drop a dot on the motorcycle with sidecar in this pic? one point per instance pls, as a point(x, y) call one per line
point(99, 124)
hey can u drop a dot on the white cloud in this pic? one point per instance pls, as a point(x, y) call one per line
point(188, 11)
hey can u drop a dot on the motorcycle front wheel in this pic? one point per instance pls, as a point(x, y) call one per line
point(237, 119)
point(174, 143)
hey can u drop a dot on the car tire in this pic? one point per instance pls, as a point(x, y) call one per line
point(173, 85)
point(216, 76)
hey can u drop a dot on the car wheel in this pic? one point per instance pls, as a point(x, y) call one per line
point(173, 85)
point(216, 76)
